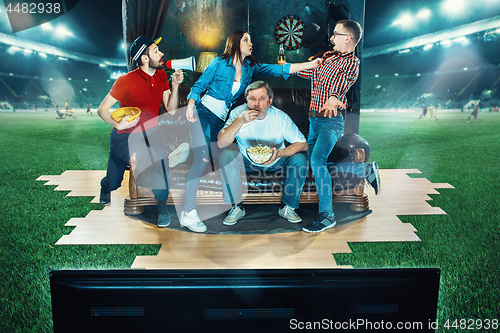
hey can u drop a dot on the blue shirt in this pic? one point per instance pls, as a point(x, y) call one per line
point(219, 78)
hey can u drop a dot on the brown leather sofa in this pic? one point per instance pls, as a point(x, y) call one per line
point(348, 188)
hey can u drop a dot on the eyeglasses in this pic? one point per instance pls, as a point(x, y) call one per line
point(335, 34)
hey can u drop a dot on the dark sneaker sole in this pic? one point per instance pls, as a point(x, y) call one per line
point(320, 230)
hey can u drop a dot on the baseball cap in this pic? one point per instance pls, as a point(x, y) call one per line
point(139, 45)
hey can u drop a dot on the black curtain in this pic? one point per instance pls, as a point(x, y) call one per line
point(142, 18)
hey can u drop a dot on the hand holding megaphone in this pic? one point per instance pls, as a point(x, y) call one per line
point(178, 76)
point(186, 63)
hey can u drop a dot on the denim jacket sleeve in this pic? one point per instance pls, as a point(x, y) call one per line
point(273, 70)
point(202, 83)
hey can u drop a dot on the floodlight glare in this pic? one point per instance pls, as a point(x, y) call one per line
point(428, 47)
point(404, 20)
point(446, 43)
point(13, 49)
point(47, 26)
point(376, 75)
point(42, 55)
point(27, 52)
point(424, 14)
point(63, 32)
point(454, 6)
point(396, 74)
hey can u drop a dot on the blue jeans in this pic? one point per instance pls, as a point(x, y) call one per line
point(204, 145)
point(119, 157)
point(294, 167)
point(323, 134)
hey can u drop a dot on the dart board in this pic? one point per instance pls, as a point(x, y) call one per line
point(289, 31)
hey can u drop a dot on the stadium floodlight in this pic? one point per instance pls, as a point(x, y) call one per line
point(428, 47)
point(465, 68)
point(42, 55)
point(418, 74)
point(103, 65)
point(405, 20)
point(14, 49)
point(27, 52)
point(424, 14)
point(404, 51)
point(462, 40)
point(379, 86)
point(396, 74)
point(47, 27)
point(376, 75)
point(454, 7)
point(63, 32)
point(446, 43)
point(62, 58)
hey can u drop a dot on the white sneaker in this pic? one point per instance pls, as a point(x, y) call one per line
point(192, 221)
point(290, 214)
point(234, 215)
point(179, 155)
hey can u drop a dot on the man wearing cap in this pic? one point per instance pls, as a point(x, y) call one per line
point(330, 81)
point(146, 87)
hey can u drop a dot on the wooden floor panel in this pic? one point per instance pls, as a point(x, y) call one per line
point(400, 195)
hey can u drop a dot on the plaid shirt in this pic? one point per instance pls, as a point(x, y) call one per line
point(331, 78)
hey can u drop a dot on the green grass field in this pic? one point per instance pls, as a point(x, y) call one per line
point(463, 244)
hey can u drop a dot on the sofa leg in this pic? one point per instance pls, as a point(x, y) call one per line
point(132, 207)
point(357, 203)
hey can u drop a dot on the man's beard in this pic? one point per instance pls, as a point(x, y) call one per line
point(155, 65)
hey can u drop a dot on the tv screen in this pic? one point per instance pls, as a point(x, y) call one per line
point(246, 300)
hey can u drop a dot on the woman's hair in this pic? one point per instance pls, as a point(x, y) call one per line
point(233, 47)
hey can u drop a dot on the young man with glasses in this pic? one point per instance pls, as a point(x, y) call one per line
point(330, 81)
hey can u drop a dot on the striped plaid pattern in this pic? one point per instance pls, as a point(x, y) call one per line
point(331, 78)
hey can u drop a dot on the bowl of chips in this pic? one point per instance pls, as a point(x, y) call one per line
point(259, 154)
point(131, 111)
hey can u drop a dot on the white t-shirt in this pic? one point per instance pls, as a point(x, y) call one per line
point(217, 106)
point(276, 128)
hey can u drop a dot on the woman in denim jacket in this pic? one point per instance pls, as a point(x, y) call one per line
point(224, 80)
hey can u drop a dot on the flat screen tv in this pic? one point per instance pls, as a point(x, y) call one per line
point(366, 300)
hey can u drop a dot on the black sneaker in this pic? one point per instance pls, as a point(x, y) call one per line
point(164, 218)
point(322, 222)
point(374, 177)
point(105, 198)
